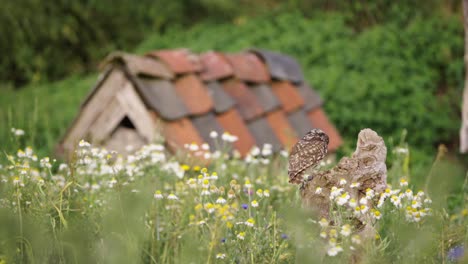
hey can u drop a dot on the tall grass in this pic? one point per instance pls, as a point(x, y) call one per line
point(150, 208)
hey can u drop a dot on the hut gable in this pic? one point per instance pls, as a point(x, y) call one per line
point(258, 95)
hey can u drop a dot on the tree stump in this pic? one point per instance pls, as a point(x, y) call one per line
point(364, 169)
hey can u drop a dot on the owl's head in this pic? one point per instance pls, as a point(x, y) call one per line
point(316, 134)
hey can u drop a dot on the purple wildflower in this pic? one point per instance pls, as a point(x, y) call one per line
point(456, 253)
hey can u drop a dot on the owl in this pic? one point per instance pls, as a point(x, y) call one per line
point(307, 153)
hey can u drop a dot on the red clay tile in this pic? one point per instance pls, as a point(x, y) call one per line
point(214, 66)
point(179, 61)
point(178, 133)
point(281, 127)
point(288, 95)
point(232, 122)
point(320, 120)
point(248, 67)
point(194, 94)
point(246, 101)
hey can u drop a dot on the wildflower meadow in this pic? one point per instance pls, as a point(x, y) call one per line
point(211, 206)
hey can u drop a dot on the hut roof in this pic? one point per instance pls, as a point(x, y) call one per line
point(258, 95)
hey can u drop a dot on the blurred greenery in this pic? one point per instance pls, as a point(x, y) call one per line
point(48, 40)
point(397, 72)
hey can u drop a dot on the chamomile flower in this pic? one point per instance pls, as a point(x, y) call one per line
point(364, 209)
point(370, 193)
point(247, 184)
point(345, 230)
point(396, 201)
point(254, 203)
point(376, 214)
point(333, 251)
point(342, 199)
point(335, 192)
point(260, 193)
point(172, 197)
point(213, 134)
point(250, 222)
point(352, 202)
point(266, 193)
point(220, 256)
point(209, 207)
point(205, 183)
point(409, 194)
point(342, 181)
point(416, 203)
point(226, 136)
point(192, 183)
point(205, 192)
point(323, 234)
point(323, 222)
point(112, 183)
point(241, 235)
point(403, 182)
point(355, 185)
point(363, 200)
point(221, 200)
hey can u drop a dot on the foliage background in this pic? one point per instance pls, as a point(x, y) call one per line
point(387, 65)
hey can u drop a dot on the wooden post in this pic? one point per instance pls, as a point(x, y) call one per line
point(464, 125)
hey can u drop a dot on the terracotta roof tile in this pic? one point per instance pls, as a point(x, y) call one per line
point(265, 97)
point(215, 66)
point(222, 101)
point(178, 133)
point(320, 120)
point(139, 65)
point(232, 122)
point(246, 101)
point(161, 96)
point(282, 128)
point(179, 61)
point(263, 133)
point(194, 94)
point(281, 67)
point(311, 97)
point(205, 124)
point(248, 67)
point(288, 95)
point(259, 96)
point(300, 122)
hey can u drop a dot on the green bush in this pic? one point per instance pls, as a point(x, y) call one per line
point(47, 40)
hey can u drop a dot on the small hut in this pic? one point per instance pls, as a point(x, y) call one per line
point(180, 97)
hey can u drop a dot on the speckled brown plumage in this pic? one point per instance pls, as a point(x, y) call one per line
point(307, 153)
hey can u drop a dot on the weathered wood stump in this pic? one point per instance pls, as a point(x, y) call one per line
point(364, 169)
